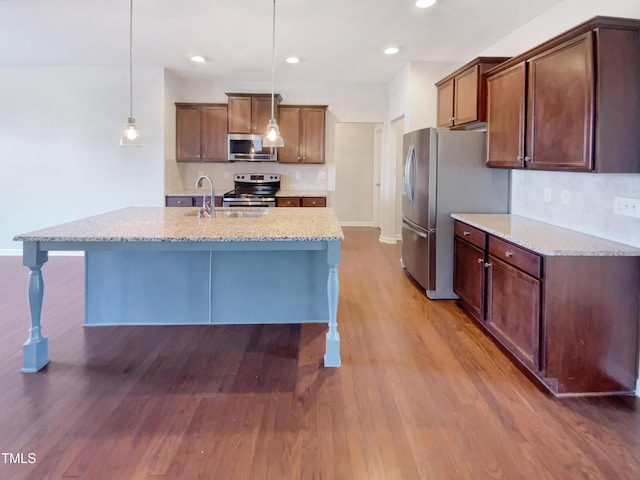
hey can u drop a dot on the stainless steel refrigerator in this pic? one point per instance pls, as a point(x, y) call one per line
point(444, 172)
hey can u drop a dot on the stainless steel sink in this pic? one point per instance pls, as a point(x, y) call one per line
point(233, 212)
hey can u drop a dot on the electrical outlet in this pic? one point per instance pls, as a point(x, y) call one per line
point(298, 176)
point(547, 194)
point(564, 197)
point(626, 206)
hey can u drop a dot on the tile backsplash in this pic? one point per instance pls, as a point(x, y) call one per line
point(578, 201)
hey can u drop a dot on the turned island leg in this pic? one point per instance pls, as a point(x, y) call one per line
point(332, 349)
point(35, 351)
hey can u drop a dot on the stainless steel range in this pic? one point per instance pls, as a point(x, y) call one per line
point(253, 189)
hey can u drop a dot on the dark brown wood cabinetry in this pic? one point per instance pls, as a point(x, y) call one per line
point(570, 104)
point(462, 95)
point(303, 130)
point(572, 321)
point(201, 132)
point(301, 201)
point(189, 200)
point(250, 113)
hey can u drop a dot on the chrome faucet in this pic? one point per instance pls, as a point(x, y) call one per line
point(206, 207)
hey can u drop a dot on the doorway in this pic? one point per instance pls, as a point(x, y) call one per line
point(357, 187)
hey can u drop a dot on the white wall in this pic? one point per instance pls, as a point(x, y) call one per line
point(591, 196)
point(413, 97)
point(60, 159)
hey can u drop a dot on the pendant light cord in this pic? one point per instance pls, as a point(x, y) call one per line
point(273, 60)
point(131, 59)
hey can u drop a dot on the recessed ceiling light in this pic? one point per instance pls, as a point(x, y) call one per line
point(425, 3)
point(197, 58)
point(292, 60)
point(391, 50)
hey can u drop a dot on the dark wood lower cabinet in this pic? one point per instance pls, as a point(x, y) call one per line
point(188, 201)
point(468, 277)
point(513, 310)
point(572, 321)
point(301, 201)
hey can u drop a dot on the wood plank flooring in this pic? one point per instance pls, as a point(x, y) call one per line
point(422, 393)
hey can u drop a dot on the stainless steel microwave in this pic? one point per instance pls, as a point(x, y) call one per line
point(246, 147)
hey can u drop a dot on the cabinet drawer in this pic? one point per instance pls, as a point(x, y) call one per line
point(525, 260)
point(288, 202)
point(470, 234)
point(314, 202)
point(179, 201)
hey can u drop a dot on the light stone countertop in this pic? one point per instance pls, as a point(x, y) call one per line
point(544, 238)
point(302, 193)
point(180, 224)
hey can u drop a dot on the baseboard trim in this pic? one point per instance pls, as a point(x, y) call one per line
point(17, 252)
point(389, 240)
point(357, 224)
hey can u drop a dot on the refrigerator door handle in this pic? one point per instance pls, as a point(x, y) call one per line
point(414, 167)
point(406, 180)
point(417, 232)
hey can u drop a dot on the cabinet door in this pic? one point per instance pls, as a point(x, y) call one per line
point(260, 113)
point(314, 201)
point(445, 104)
point(465, 105)
point(290, 129)
point(561, 105)
point(239, 116)
point(313, 120)
point(468, 276)
point(506, 96)
point(214, 134)
point(513, 310)
point(188, 133)
point(288, 202)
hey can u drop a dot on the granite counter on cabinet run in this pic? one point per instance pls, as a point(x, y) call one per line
point(165, 266)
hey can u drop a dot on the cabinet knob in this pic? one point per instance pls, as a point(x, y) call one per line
point(465, 233)
point(507, 253)
point(528, 159)
point(487, 265)
point(480, 260)
point(519, 158)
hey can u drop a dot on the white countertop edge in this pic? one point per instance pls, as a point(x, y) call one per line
point(599, 246)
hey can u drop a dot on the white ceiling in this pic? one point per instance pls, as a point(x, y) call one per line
point(337, 40)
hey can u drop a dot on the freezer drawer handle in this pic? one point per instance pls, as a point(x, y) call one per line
point(420, 234)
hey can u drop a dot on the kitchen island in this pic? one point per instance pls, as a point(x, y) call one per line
point(166, 266)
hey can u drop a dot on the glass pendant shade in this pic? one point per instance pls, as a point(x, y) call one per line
point(272, 138)
point(131, 135)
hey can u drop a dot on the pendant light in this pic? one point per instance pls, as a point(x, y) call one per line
point(273, 138)
point(131, 135)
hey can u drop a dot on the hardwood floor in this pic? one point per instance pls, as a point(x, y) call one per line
point(422, 393)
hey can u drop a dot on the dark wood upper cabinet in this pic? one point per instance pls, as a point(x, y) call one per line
point(250, 112)
point(581, 108)
point(462, 94)
point(506, 98)
point(201, 132)
point(303, 129)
